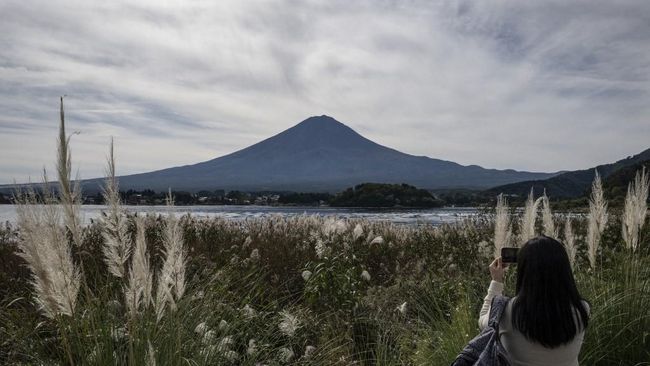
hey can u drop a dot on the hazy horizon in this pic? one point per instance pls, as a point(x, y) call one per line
point(543, 86)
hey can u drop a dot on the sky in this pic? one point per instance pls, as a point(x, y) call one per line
point(528, 85)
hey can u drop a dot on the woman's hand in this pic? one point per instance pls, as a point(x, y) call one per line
point(498, 269)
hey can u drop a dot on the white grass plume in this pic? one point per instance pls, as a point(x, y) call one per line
point(597, 219)
point(570, 242)
point(289, 323)
point(69, 193)
point(138, 291)
point(502, 226)
point(171, 280)
point(44, 246)
point(527, 229)
point(547, 217)
point(636, 208)
point(117, 241)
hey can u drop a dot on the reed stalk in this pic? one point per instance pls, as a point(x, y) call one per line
point(597, 219)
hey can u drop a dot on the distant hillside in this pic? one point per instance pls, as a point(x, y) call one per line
point(615, 185)
point(319, 154)
point(570, 184)
point(385, 195)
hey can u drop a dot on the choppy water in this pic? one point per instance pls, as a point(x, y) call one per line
point(435, 216)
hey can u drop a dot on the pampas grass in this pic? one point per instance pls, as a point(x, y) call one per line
point(69, 193)
point(171, 279)
point(570, 242)
point(137, 293)
point(527, 228)
point(547, 217)
point(117, 247)
point(636, 208)
point(502, 226)
point(43, 242)
point(597, 219)
point(44, 246)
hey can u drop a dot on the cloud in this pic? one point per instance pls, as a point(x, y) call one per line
point(544, 85)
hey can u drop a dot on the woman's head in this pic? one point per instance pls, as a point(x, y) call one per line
point(548, 308)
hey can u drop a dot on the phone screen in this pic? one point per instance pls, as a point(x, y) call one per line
point(509, 255)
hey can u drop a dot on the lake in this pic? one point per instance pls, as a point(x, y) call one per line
point(436, 216)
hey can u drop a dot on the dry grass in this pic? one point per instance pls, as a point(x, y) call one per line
point(117, 248)
point(547, 218)
point(529, 218)
point(636, 209)
point(597, 219)
point(502, 226)
point(570, 242)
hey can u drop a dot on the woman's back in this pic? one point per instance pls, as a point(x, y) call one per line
point(524, 352)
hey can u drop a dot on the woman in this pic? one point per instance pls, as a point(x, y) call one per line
point(544, 324)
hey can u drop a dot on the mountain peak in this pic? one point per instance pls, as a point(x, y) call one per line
point(323, 121)
point(322, 117)
point(320, 131)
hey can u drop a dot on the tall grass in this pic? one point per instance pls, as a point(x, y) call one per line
point(117, 247)
point(529, 218)
point(636, 209)
point(502, 225)
point(547, 217)
point(171, 278)
point(570, 242)
point(43, 244)
point(43, 241)
point(597, 219)
point(69, 193)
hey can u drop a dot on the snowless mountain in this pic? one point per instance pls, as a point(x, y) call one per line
point(318, 154)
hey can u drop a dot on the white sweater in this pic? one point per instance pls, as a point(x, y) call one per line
point(523, 352)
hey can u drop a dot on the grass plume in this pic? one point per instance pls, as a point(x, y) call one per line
point(171, 279)
point(570, 242)
point(502, 225)
point(636, 209)
point(547, 217)
point(527, 228)
point(43, 241)
point(117, 247)
point(44, 246)
point(139, 289)
point(69, 192)
point(597, 219)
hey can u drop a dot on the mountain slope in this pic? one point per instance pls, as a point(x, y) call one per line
point(570, 184)
point(319, 154)
point(615, 185)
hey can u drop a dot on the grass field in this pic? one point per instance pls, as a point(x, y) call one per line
point(307, 290)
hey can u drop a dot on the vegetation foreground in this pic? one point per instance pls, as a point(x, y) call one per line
point(305, 290)
point(164, 290)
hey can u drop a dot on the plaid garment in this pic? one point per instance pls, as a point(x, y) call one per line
point(486, 348)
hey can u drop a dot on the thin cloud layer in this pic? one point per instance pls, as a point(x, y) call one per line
point(541, 86)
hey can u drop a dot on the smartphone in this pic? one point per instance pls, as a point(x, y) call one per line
point(509, 255)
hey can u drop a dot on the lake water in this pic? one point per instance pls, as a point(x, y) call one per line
point(435, 216)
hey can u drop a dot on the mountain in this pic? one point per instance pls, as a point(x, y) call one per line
point(574, 183)
point(319, 154)
point(615, 185)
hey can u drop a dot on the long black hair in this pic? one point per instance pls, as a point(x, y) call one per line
point(548, 308)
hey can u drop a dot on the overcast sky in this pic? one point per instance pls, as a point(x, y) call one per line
point(529, 85)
